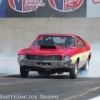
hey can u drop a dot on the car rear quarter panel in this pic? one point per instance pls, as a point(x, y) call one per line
point(81, 54)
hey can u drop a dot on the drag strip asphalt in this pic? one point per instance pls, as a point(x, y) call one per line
point(54, 87)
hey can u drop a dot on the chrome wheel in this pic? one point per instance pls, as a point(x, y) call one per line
point(86, 66)
point(76, 69)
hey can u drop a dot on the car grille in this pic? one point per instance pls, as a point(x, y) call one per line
point(44, 58)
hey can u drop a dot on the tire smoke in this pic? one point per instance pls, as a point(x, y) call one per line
point(9, 65)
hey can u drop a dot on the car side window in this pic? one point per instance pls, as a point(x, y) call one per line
point(80, 42)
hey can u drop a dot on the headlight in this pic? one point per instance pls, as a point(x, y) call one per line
point(66, 58)
point(22, 57)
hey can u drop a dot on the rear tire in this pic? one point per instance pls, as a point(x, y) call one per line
point(23, 71)
point(86, 66)
point(74, 71)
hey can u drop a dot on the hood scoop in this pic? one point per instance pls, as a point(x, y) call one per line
point(47, 47)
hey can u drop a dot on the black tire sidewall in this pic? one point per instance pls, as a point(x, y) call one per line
point(23, 71)
point(73, 75)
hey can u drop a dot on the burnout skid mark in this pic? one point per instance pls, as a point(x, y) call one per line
point(25, 5)
point(65, 5)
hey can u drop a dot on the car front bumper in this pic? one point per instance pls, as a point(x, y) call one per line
point(45, 64)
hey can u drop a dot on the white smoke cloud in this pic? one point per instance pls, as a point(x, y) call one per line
point(9, 65)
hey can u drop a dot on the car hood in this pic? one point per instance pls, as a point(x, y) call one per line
point(58, 51)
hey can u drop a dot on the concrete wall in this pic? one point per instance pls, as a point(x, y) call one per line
point(16, 33)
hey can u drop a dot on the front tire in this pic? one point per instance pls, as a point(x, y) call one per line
point(74, 71)
point(23, 71)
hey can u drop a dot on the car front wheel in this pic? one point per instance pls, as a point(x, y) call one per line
point(23, 71)
point(74, 71)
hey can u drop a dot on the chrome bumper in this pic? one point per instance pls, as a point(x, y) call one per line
point(44, 64)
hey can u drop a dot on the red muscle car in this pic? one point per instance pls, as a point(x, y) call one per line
point(55, 53)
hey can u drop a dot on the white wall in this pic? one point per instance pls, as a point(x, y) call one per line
point(17, 33)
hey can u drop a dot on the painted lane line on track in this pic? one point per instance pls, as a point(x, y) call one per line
point(95, 98)
point(84, 93)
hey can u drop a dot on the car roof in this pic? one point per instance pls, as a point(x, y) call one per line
point(58, 34)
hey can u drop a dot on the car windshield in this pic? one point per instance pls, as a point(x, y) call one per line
point(55, 41)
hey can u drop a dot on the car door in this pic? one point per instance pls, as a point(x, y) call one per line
point(81, 51)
